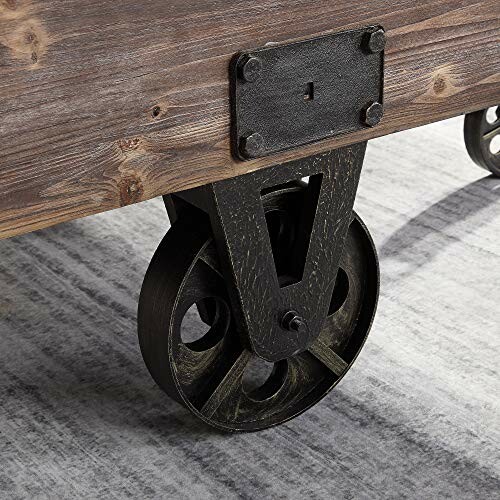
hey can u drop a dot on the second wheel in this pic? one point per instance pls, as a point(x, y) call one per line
point(482, 138)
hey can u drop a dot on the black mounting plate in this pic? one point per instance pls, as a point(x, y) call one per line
point(285, 96)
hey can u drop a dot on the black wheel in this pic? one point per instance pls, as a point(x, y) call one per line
point(482, 138)
point(214, 375)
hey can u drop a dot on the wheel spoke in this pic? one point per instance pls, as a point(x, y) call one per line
point(230, 384)
point(492, 131)
point(211, 258)
point(328, 357)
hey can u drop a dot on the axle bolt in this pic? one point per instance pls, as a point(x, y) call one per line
point(375, 42)
point(372, 114)
point(294, 323)
point(251, 69)
point(251, 146)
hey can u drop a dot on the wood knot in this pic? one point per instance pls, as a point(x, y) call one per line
point(439, 84)
point(29, 41)
point(129, 144)
point(131, 190)
point(156, 111)
point(30, 38)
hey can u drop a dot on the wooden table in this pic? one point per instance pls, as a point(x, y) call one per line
point(106, 103)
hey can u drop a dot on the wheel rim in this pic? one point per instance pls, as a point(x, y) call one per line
point(217, 377)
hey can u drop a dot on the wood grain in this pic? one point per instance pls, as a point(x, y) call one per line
point(106, 103)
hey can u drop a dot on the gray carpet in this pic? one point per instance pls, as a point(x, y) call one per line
point(417, 417)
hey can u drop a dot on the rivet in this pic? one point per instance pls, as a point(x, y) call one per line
point(375, 42)
point(372, 114)
point(251, 69)
point(252, 145)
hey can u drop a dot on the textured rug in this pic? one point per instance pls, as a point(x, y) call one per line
point(417, 416)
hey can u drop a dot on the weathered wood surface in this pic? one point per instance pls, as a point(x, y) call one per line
point(105, 103)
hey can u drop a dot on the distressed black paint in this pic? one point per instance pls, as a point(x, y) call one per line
point(229, 253)
point(290, 95)
point(241, 235)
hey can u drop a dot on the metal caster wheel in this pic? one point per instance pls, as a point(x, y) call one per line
point(482, 138)
point(217, 376)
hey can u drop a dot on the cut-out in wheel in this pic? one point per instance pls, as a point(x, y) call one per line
point(482, 138)
point(217, 376)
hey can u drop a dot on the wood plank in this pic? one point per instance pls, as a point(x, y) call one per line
point(79, 82)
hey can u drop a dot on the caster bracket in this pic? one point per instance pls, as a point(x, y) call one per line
point(280, 307)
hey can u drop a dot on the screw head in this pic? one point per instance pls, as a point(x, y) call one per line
point(294, 323)
point(372, 114)
point(252, 145)
point(375, 42)
point(251, 69)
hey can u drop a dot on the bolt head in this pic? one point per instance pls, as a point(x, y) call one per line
point(252, 145)
point(294, 323)
point(372, 114)
point(375, 42)
point(298, 325)
point(251, 69)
